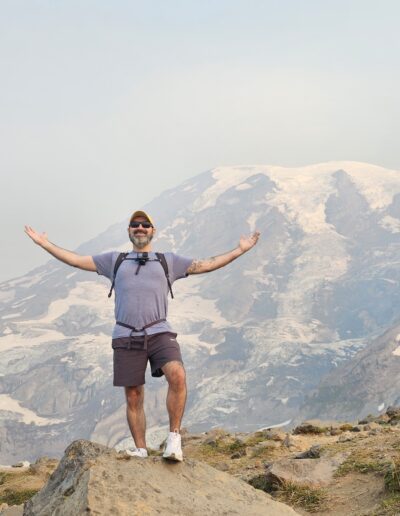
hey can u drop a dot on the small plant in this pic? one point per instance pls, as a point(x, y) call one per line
point(3, 477)
point(389, 506)
point(257, 438)
point(221, 446)
point(346, 427)
point(237, 445)
point(261, 451)
point(17, 497)
point(392, 477)
point(310, 498)
point(354, 464)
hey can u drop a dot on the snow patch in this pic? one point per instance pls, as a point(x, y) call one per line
point(11, 316)
point(252, 219)
point(390, 224)
point(381, 407)
point(278, 425)
point(226, 410)
point(244, 186)
point(26, 415)
point(225, 178)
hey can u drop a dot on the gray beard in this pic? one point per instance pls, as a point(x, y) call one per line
point(141, 241)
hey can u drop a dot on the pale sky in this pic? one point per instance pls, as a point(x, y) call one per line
point(106, 104)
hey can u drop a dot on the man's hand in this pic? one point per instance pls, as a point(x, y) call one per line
point(38, 238)
point(246, 243)
point(85, 263)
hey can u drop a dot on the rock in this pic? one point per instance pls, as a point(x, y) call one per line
point(222, 466)
point(91, 480)
point(346, 437)
point(274, 435)
point(18, 465)
point(211, 442)
point(217, 433)
point(315, 426)
point(188, 438)
point(375, 431)
point(239, 453)
point(317, 472)
point(289, 442)
point(357, 428)
point(313, 453)
point(393, 412)
point(368, 419)
point(44, 466)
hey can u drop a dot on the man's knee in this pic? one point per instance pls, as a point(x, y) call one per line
point(175, 374)
point(134, 396)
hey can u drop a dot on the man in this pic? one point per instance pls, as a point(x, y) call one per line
point(141, 332)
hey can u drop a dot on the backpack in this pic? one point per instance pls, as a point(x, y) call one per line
point(160, 258)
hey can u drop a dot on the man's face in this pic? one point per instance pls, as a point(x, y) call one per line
point(140, 236)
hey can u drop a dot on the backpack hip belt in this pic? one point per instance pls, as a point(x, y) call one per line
point(134, 330)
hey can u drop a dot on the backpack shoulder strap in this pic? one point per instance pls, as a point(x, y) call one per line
point(121, 257)
point(163, 261)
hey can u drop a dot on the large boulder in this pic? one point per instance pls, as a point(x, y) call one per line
point(94, 479)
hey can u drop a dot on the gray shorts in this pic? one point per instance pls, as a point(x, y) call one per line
point(130, 364)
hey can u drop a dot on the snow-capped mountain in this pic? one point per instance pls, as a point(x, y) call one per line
point(257, 336)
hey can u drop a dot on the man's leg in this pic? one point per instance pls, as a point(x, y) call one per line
point(135, 414)
point(176, 397)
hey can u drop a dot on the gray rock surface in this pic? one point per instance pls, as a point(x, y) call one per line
point(94, 479)
point(317, 472)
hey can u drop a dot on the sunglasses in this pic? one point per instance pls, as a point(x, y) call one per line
point(145, 225)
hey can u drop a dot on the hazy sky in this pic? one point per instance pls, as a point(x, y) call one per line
point(104, 104)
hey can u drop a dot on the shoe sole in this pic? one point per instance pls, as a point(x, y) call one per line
point(173, 457)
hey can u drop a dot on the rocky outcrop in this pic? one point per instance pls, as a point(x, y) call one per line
point(94, 479)
point(311, 471)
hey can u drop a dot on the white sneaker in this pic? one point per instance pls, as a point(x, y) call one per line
point(173, 449)
point(137, 452)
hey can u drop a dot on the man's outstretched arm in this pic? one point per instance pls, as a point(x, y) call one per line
point(216, 262)
point(75, 260)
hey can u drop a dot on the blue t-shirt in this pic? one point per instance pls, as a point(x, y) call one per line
point(142, 298)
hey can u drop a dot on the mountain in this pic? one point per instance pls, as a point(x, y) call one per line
point(361, 385)
point(257, 336)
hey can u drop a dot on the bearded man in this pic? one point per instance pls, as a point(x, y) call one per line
point(142, 334)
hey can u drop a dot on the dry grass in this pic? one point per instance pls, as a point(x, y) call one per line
point(17, 497)
point(309, 498)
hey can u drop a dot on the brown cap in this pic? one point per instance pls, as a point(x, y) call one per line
point(140, 213)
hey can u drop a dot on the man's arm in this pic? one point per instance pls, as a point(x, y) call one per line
point(216, 262)
point(85, 263)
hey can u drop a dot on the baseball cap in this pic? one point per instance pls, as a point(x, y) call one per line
point(140, 213)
